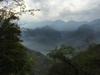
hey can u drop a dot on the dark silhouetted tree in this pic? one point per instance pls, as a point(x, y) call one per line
point(14, 58)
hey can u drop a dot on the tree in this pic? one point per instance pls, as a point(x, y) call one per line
point(89, 60)
point(62, 65)
point(63, 51)
point(18, 7)
point(14, 58)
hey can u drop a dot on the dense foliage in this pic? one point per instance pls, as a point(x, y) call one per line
point(85, 63)
point(89, 61)
point(14, 59)
point(63, 65)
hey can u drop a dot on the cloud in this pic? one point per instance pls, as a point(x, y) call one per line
point(65, 9)
point(89, 14)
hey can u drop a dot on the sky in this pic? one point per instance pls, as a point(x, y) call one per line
point(66, 10)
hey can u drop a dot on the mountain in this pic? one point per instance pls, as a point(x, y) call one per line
point(40, 39)
point(57, 25)
point(47, 37)
point(65, 26)
point(95, 24)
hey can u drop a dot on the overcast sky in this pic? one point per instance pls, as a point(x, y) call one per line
point(66, 10)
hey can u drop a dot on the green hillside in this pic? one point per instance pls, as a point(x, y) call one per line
point(89, 61)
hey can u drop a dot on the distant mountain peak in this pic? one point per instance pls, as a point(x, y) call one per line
point(59, 21)
point(95, 22)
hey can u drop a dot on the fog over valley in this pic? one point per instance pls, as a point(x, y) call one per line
point(58, 33)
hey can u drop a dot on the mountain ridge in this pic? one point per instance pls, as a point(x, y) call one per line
point(48, 37)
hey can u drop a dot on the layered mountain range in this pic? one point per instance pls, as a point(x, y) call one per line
point(76, 34)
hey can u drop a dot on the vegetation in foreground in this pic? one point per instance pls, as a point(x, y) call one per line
point(84, 63)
